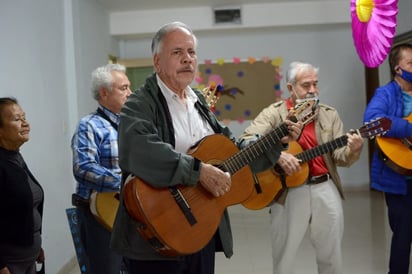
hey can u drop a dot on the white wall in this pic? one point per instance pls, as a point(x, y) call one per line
point(32, 54)
point(45, 67)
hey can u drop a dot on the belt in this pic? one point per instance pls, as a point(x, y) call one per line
point(318, 179)
point(80, 201)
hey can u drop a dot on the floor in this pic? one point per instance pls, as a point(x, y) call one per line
point(365, 247)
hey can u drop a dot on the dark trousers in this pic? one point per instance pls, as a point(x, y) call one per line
point(96, 242)
point(22, 268)
point(400, 222)
point(202, 262)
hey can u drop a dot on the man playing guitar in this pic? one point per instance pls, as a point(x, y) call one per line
point(317, 204)
point(394, 100)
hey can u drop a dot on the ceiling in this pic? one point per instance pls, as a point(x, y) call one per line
point(127, 5)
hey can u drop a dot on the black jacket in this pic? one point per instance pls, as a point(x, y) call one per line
point(16, 202)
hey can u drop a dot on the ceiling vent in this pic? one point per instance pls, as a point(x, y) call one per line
point(227, 15)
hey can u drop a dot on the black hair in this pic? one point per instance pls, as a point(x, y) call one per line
point(6, 101)
point(395, 56)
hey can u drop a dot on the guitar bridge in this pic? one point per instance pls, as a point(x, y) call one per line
point(407, 142)
point(184, 206)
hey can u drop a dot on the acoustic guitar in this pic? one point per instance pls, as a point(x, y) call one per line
point(270, 180)
point(104, 205)
point(396, 152)
point(181, 220)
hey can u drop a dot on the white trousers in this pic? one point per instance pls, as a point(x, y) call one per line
point(317, 207)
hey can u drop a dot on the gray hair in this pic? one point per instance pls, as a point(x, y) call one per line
point(295, 68)
point(165, 29)
point(102, 78)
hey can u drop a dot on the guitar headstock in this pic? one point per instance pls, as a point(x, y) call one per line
point(375, 128)
point(304, 111)
point(211, 94)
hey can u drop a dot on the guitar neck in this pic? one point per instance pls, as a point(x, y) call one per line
point(312, 153)
point(368, 130)
point(255, 150)
point(302, 112)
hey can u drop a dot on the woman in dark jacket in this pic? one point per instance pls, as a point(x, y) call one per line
point(21, 196)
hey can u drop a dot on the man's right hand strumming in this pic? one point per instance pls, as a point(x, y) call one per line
point(214, 180)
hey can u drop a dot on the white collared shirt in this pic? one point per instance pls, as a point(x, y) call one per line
point(188, 124)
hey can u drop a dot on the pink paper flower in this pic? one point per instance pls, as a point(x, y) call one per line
point(373, 29)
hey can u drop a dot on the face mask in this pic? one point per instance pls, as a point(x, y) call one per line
point(406, 75)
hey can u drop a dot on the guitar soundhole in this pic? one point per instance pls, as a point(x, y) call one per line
point(218, 164)
point(222, 168)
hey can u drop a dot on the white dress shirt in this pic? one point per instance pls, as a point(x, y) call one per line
point(188, 124)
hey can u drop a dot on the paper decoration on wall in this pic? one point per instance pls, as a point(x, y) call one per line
point(236, 60)
point(265, 59)
point(373, 29)
point(215, 79)
point(220, 61)
point(248, 86)
point(251, 60)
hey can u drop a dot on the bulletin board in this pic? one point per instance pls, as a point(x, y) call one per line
point(248, 86)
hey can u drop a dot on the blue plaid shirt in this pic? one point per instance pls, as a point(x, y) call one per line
point(95, 154)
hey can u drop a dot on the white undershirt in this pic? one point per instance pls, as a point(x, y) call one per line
point(188, 124)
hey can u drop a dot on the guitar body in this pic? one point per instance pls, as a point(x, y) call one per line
point(396, 153)
point(162, 222)
point(103, 206)
point(271, 184)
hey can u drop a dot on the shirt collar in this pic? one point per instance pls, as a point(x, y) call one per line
point(169, 94)
point(289, 103)
point(114, 117)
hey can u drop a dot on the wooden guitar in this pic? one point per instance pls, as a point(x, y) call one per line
point(396, 153)
point(270, 180)
point(104, 205)
point(181, 220)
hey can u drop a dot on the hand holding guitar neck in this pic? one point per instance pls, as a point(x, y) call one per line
point(295, 129)
point(294, 125)
point(355, 142)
